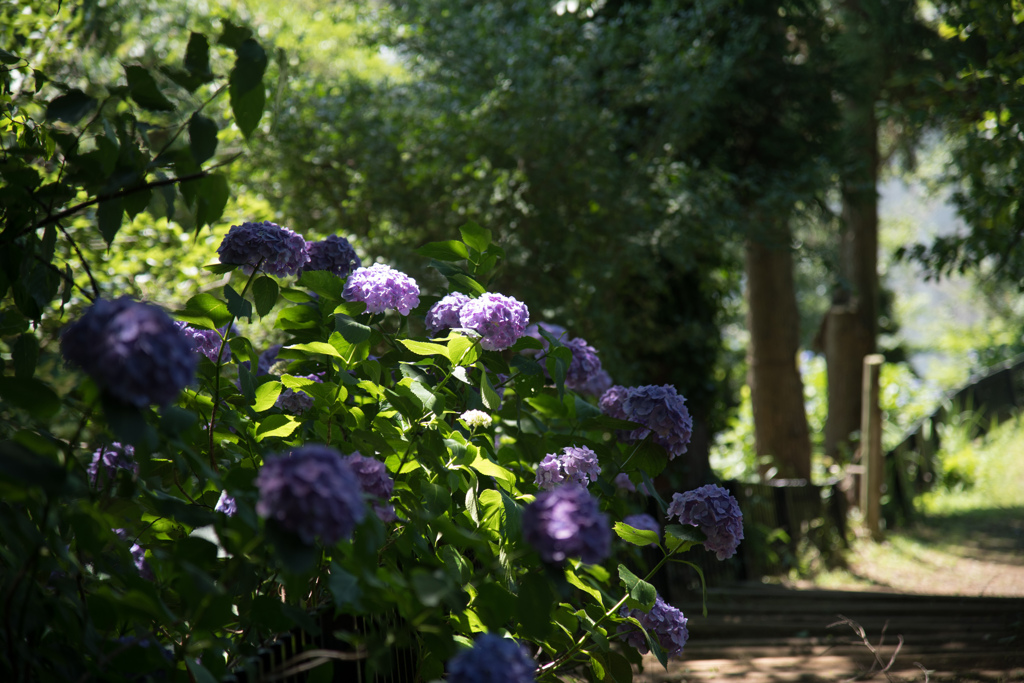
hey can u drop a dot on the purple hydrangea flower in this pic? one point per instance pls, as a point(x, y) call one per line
point(492, 659)
point(585, 374)
point(715, 512)
point(132, 349)
point(499, 320)
point(375, 482)
point(267, 360)
point(333, 254)
point(295, 401)
point(444, 315)
point(664, 621)
point(382, 287)
point(576, 465)
point(553, 330)
point(114, 457)
point(266, 245)
point(206, 342)
point(623, 482)
point(226, 504)
point(644, 522)
point(566, 522)
point(611, 402)
point(311, 492)
point(138, 556)
point(660, 410)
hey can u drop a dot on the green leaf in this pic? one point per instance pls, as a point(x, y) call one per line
point(679, 538)
point(276, 425)
point(641, 537)
point(475, 236)
point(213, 194)
point(197, 56)
point(8, 57)
point(221, 268)
point(469, 283)
point(202, 135)
point(352, 330)
point(30, 395)
point(323, 283)
point(317, 347)
point(136, 201)
point(25, 355)
point(619, 667)
point(533, 606)
point(451, 250)
point(493, 469)
point(266, 396)
point(209, 306)
point(642, 593)
point(237, 306)
point(143, 89)
point(248, 109)
point(199, 673)
point(109, 215)
point(264, 293)
point(344, 587)
point(250, 65)
point(231, 35)
point(490, 396)
point(574, 580)
point(424, 348)
point(462, 350)
point(70, 107)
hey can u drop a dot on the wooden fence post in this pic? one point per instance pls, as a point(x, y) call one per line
point(871, 447)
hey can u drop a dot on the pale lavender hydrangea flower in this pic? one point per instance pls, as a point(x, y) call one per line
point(131, 349)
point(114, 457)
point(333, 254)
point(382, 287)
point(375, 482)
point(138, 556)
point(273, 249)
point(311, 492)
point(596, 384)
point(206, 342)
point(623, 482)
point(660, 410)
point(575, 465)
point(644, 522)
point(499, 320)
point(566, 522)
point(295, 401)
point(492, 659)
point(714, 511)
point(585, 374)
point(226, 504)
point(444, 315)
point(664, 621)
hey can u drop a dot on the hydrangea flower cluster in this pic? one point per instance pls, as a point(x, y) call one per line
point(575, 465)
point(660, 410)
point(311, 492)
point(226, 504)
point(585, 374)
point(206, 342)
point(131, 349)
point(566, 522)
point(499, 320)
point(492, 659)
point(624, 483)
point(382, 287)
point(475, 419)
point(114, 457)
point(294, 401)
point(664, 621)
point(265, 245)
point(138, 556)
point(644, 522)
point(553, 330)
point(333, 254)
point(444, 315)
point(714, 511)
point(267, 359)
point(375, 482)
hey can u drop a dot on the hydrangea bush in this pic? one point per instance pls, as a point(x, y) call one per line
point(377, 455)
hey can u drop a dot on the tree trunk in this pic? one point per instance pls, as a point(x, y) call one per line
point(776, 390)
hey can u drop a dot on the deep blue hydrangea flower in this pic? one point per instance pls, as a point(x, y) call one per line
point(226, 504)
point(664, 621)
point(295, 401)
point(575, 465)
point(206, 342)
point(714, 511)
point(333, 254)
point(132, 349)
point(566, 522)
point(382, 287)
point(492, 659)
point(644, 522)
point(311, 493)
point(265, 245)
point(376, 483)
point(660, 410)
point(138, 556)
point(267, 359)
point(499, 320)
point(444, 315)
point(112, 458)
point(585, 374)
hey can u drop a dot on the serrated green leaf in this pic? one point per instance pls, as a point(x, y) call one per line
point(323, 283)
point(641, 592)
point(264, 293)
point(679, 538)
point(109, 215)
point(31, 395)
point(450, 250)
point(317, 347)
point(469, 283)
point(493, 469)
point(197, 56)
point(475, 236)
point(424, 348)
point(247, 108)
point(487, 392)
point(202, 135)
point(143, 89)
point(209, 306)
point(237, 306)
point(8, 57)
point(276, 425)
point(574, 580)
point(641, 537)
point(352, 330)
point(266, 396)
point(221, 268)
point(212, 193)
point(70, 107)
